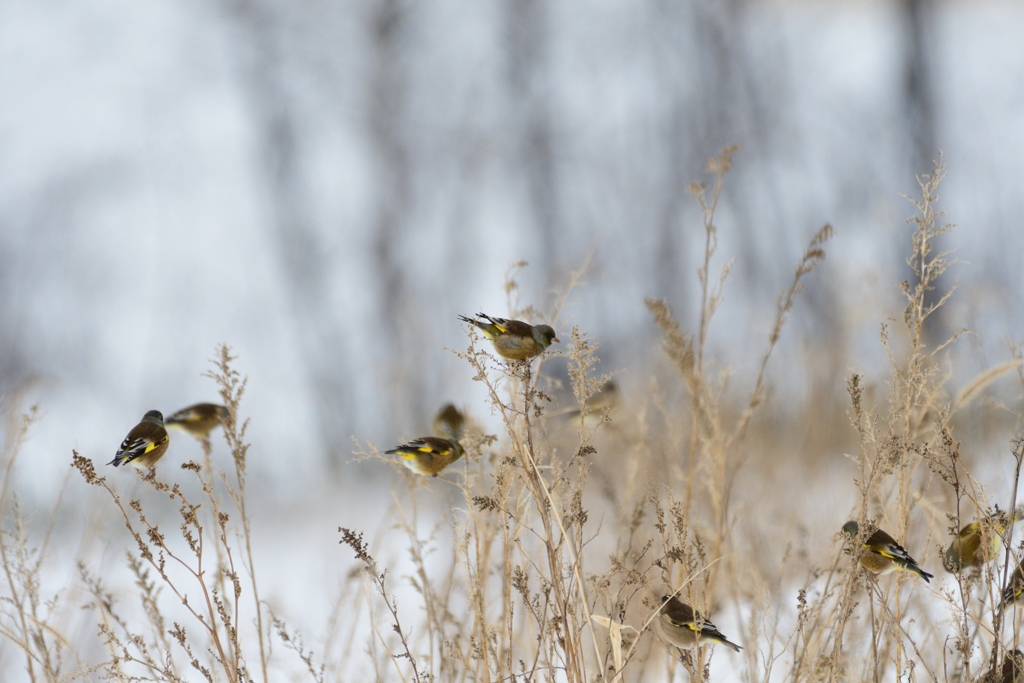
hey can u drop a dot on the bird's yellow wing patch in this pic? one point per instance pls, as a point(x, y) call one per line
point(879, 550)
point(413, 453)
point(683, 624)
point(153, 445)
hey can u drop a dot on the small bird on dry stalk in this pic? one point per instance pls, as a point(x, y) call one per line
point(605, 399)
point(1015, 588)
point(449, 423)
point(1011, 670)
point(145, 444)
point(429, 454)
point(967, 549)
point(199, 420)
point(883, 554)
point(679, 625)
point(514, 339)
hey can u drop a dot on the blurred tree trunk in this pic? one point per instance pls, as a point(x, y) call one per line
point(388, 93)
point(700, 71)
point(17, 363)
point(670, 278)
point(531, 114)
point(920, 97)
point(920, 117)
point(306, 270)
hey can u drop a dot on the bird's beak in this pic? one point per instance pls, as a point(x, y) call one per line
point(555, 340)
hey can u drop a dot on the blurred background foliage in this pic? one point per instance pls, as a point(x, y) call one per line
point(325, 186)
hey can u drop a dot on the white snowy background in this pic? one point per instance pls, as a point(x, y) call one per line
point(325, 186)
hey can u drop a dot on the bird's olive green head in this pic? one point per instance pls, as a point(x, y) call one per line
point(1018, 515)
point(544, 335)
point(459, 450)
point(154, 416)
point(449, 413)
point(449, 422)
point(851, 528)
